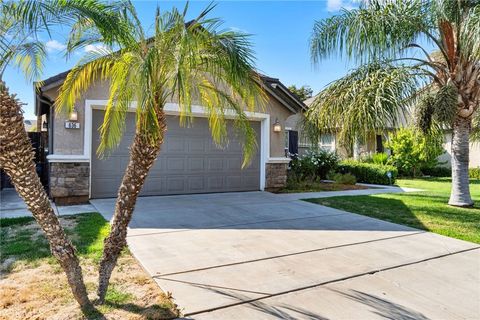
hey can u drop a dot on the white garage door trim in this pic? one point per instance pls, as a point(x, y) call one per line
point(174, 109)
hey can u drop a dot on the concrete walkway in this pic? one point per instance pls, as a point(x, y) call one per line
point(12, 206)
point(257, 255)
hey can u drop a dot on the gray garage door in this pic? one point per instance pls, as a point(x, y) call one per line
point(189, 162)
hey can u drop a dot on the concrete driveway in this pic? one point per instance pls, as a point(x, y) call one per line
point(257, 255)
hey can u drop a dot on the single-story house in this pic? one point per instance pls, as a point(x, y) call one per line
point(189, 161)
point(376, 143)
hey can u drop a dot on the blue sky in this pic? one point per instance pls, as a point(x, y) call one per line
point(280, 34)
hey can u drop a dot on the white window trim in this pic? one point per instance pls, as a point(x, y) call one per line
point(170, 109)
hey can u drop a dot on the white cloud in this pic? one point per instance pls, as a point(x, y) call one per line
point(54, 45)
point(94, 47)
point(336, 5)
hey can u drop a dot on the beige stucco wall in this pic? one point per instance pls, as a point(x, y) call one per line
point(447, 156)
point(70, 141)
point(277, 139)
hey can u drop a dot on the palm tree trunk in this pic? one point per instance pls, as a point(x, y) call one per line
point(16, 158)
point(142, 157)
point(460, 194)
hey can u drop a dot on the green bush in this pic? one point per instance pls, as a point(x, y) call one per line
point(380, 158)
point(346, 178)
point(474, 173)
point(412, 150)
point(315, 164)
point(437, 172)
point(365, 158)
point(368, 172)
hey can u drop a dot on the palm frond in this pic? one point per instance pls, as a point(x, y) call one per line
point(188, 63)
point(29, 57)
point(123, 78)
point(445, 104)
point(22, 21)
point(378, 29)
point(370, 98)
point(469, 33)
point(424, 112)
point(94, 66)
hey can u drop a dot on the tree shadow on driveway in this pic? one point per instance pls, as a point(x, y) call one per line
point(281, 310)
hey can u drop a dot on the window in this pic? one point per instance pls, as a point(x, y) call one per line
point(303, 141)
point(379, 143)
point(327, 142)
point(286, 140)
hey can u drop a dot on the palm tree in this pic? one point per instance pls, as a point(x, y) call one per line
point(20, 23)
point(390, 38)
point(183, 61)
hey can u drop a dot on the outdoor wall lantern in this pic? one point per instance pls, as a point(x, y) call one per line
point(277, 127)
point(73, 115)
point(72, 122)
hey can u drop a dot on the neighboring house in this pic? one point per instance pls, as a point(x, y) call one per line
point(329, 141)
point(189, 161)
point(447, 156)
point(30, 125)
point(376, 143)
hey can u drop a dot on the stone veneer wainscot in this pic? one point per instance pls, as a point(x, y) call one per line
point(276, 176)
point(69, 182)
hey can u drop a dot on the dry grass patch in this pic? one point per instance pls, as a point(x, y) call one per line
point(33, 286)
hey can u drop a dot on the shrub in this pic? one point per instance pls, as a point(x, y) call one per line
point(437, 171)
point(380, 158)
point(368, 172)
point(366, 158)
point(314, 164)
point(412, 150)
point(346, 178)
point(474, 173)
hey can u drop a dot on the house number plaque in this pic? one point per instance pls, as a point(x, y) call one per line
point(72, 125)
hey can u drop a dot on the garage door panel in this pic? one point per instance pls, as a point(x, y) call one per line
point(154, 185)
point(189, 162)
point(112, 163)
point(175, 164)
point(233, 181)
point(175, 184)
point(196, 184)
point(215, 183)
point(234, 163)
point(250, 180)
point(215, 164)
point(196, 164)
point(175, 144)
point(196, 145)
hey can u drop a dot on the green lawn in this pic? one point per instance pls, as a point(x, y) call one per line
point(28, 243)
point(35, 286)
point(426, 210)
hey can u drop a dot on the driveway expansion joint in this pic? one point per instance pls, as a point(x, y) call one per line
point(237, 224)
point(371, 272)
point(160, 276)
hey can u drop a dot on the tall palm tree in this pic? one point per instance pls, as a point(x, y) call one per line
point(187, 62)
point(390, 38)
point(20, 24)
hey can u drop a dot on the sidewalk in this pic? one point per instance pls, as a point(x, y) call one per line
point(12, 206)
